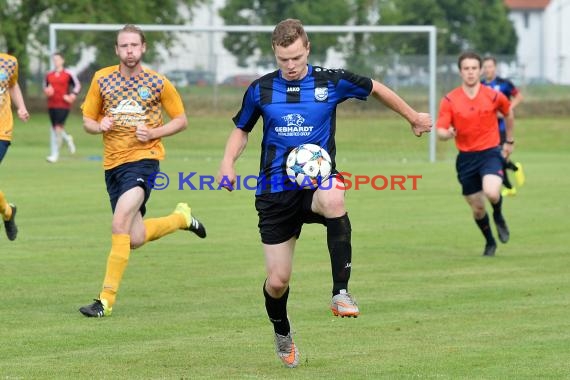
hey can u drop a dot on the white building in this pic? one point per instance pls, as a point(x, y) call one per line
point(543, 30)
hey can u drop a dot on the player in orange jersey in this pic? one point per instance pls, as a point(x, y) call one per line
point(124, 104)
point(468, 114)
point(9, 93)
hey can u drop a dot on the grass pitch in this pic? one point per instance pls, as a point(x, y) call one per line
point(431, 306)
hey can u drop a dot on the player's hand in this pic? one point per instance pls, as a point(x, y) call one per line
point(48, 90)
point(69, 98)
point(507, 150)
point(105, 124)
point(422, 124)
point(143, 133)
point(23, 114)
point(226, 177)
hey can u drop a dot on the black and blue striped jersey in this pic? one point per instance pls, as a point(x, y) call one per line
point(506, 87)
point(295, 113)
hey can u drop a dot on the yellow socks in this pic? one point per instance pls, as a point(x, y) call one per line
point(116, 265)
point(5, 209)
point(121, 249)
point(159, 227)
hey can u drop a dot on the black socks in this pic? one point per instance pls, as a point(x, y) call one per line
point(340, 250)
point(485, 228)
point(277, 312)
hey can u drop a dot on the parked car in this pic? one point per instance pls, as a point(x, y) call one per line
point(185, 78)
point(239, 80)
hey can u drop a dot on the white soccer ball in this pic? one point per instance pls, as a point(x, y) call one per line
point(308, 165)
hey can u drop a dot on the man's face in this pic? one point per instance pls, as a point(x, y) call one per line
point(58, 61)
point(470, 71)
point(292, 60)
point(130, 49)
point(489, 69)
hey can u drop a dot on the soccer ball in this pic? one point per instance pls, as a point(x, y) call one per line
point(308, 165)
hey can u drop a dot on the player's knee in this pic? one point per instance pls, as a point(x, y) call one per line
point(136, 242)
point(277, 284)
point(138, 237)
point(332, 205)
point(119, 226)
point(493, 195)
point(478, 210)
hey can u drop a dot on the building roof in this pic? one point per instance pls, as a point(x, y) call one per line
point(527, 4)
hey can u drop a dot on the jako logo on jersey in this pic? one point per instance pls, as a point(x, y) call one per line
point(293, 89)
point(294, 119)
point(144, 92)
point(321, 93)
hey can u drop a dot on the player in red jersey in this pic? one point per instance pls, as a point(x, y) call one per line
point(468, 114)
point(61, 87)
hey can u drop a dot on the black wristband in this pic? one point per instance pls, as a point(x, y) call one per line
point(512, 142)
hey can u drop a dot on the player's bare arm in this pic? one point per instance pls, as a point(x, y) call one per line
point(516, 100)
point(237, 141)
point(445, 134)
point(177, 124)
point(509, 146)
point(420, 122)
point(95, 127)
point(18, 100)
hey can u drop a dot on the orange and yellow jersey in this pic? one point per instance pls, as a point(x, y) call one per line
point(130, 102)
point(8, 78)
point(474, 120)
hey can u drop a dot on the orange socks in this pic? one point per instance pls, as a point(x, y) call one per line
point(159, 227)
point(5, 209)
point(116, 265)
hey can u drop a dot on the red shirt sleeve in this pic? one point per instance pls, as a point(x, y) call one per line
point(444, 117)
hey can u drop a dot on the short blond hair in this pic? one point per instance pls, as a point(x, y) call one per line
point(287, 32)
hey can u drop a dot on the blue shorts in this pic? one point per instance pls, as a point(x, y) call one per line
point(472, 166)
point(3, 148)
point(127, 176)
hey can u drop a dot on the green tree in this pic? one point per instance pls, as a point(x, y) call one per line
point(245, 46)
point(481, 25)
point(24, 25)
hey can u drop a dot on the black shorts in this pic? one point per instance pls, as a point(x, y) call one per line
point(472, 166)
point(58, 116)
point(127, 176)
point(3, 148)
point(282, 215)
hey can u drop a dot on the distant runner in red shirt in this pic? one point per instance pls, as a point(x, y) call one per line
point(61, 87)
point(469, 115)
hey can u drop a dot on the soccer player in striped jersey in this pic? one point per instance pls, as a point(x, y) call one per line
point(61, 88)
point(468, 114)
point(507, 87)
point(10, 92)
point(124, 104)
point(298, 105)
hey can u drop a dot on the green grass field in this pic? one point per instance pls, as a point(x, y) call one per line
point(431, 306)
